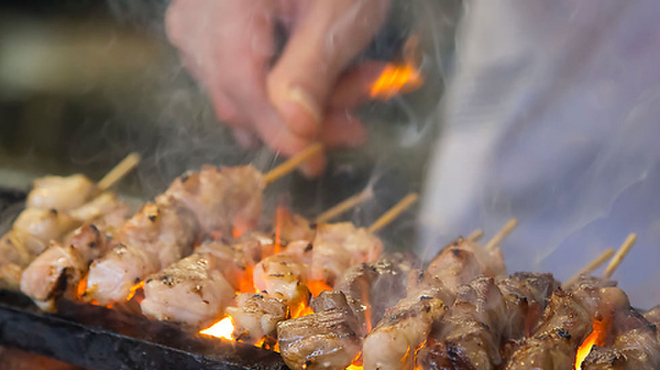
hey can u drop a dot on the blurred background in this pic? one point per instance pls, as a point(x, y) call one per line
point(83, 83)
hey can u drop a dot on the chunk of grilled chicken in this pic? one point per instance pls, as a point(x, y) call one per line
point(59, 270)
point(61, 193)
point(461, 261)
point(340, 246)
point(635, 343)
point(399, 335)
point(256, 316)
point(227, 200)
point(35, 228)
point(566, 323)
point(293, 226)
point(653, 315)
point(328, 339)
point(484, 316)
point(192, 292)
point(372, 288)
point(154, 238)
point(105, 211)
point(282, 276)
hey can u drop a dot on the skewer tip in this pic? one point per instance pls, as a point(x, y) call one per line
point(620, 255)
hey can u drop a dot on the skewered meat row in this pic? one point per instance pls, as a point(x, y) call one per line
point(485, 315)
point(165, 231)
point(635, 344)
point(566, 323)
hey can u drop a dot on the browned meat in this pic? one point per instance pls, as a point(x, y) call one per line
point(566, 323)
point(484, 316)
point(228, 200)
point(328, 339)
point(461, 261)
point(372, 288)
point(653, 315)
point(340, 246)
point(256, 316)
point(635, 346)
point(282, 276)
point(105, 211)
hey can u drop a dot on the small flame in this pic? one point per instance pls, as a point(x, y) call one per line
point(316, 287)
point(82, 287)
point(597, 337)
point(223, 329)
point(300, 310)
point(396, 79)
point(354, 367)
point(237, 231)
point(134, 290)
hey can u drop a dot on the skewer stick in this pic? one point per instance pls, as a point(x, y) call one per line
point(591, 267)
point(503, 233)
point(475, 235)
point(119, 171)
point(393, 213)
point(345, 205)
point(620, 255)
point(292, 163)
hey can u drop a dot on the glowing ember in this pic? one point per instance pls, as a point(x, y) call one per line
point(223, 329)
point(82, 287)
point(316, 287)
point(354, 367)
point(597, 338)
point(302, 309)
point(396, 79)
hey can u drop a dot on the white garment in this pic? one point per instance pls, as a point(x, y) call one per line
point(553, 117)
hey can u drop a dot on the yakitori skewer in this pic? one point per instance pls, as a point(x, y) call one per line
point(620, 255)
point(345, 205)
point(503, 233)
point(393, 213)
point(119, 171)
point(292, 163)
point(475, 235)
point(591, 267)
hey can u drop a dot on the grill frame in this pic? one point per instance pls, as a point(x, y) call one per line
point(105, 339)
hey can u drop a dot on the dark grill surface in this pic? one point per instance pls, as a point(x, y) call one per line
point(103, 339)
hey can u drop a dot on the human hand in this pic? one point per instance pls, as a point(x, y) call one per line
point(306, 97)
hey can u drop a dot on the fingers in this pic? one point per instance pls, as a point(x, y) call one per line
point(328, 35)
point(354, 87)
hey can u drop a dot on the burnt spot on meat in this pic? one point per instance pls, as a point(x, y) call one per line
point(457, 252)
point(276, 275)
point(152, 218)
point(149, 280)
point(53, 211)
point(563, 333)
point(167, 280)
point(309, 247)
point(60, 284)
point(185, 177)
point(137, 280)
point(91, 244)
point(313, 225)
point(259, 296)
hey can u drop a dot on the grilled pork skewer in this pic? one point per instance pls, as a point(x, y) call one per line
point(485, 315)
point(455, 265)
point(635, 344)
point(566, 323)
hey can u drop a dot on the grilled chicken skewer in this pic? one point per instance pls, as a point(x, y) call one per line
point(485, 315)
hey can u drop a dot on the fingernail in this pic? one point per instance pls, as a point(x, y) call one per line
point(306, 101)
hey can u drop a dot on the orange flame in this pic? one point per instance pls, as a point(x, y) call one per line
point(354, 367)
point(300, 310)
point(82, 287)
point(316, 287)
point(134, 290)
point(223, 329)
point(601, 328)
point(396, 79)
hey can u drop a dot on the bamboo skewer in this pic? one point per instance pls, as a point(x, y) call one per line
point(475, 235)
point(393, 213)
point(292, 163)
point(119, 171)
point(503, 233)
point(345, 205)
point(591, 267)
point(620, 255)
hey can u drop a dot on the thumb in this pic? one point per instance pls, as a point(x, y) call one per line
point(327, 36)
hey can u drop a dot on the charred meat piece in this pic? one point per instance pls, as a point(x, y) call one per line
point(635, 344)
point(228, 200)
point(256, 316)
point(328, 339)
point(61, 193)
point(59, 270)
point(282, 276)
point(461, 261)
point(372, 288)
point(192, 292)
point(567, 321)
point(399, 335)
point(340, 246)
point(484, 316)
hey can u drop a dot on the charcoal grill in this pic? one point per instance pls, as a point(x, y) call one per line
point(103, 339)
